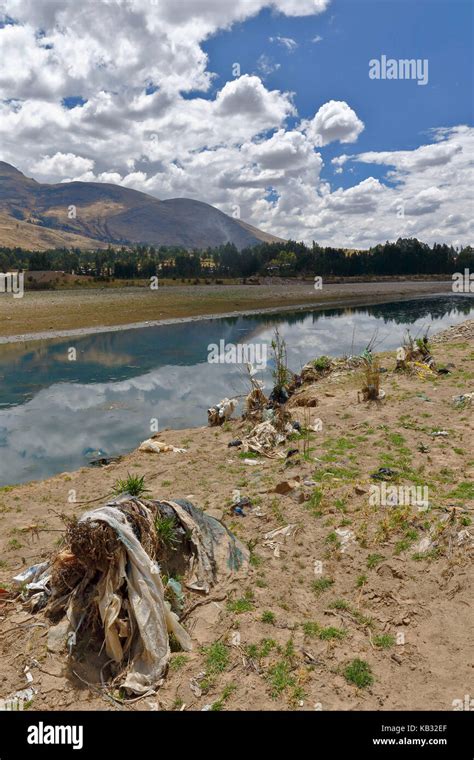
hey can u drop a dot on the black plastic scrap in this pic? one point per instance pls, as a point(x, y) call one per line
point(384, 473)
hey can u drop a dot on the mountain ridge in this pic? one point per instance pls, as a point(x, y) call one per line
point(37, 215)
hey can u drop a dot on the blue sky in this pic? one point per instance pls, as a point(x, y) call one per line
point(397, 114)
point(300, 141)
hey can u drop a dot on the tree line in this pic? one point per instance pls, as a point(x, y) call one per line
point(406, 256)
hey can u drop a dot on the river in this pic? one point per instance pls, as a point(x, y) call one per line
point(62, 401)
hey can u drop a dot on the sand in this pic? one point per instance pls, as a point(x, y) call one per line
point(424, 603)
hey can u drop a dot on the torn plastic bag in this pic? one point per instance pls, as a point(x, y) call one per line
point(216, 554)
point(151, 613)
point(34, 578)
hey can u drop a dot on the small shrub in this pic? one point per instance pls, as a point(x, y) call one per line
point(133, 484)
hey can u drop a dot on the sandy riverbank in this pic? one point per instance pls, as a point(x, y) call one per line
point(402, 609)
point(48, 314)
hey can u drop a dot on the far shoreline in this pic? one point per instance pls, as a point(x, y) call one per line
point(340, 301)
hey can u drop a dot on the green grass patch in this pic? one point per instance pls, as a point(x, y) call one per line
point(373, 560)
point(329, 633)
point(321, 584)
point(464, 490)
point(359, 673)
point(280, 678)
point(216, 658)
point(178, 661)
point(384, 640)
point(244, 604)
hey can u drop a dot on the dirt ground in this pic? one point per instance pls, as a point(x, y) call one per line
point(397, 595)
point(49, 313)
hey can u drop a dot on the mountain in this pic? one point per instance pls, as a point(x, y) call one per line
point(37, 216)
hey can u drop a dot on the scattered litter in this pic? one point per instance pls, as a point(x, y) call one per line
point(309, 483)
point(287, 532)
point(464, 400)
point(94, 453)
point(384, 473)
point(221, 412)
point(103, 461)
point(177, 595)
point(31, 574)
point(297, 426)
point(256, 401)
point(423, 396)
point(463, 536)
point(264, 438)
point(251, 462)
point(439, 433)
point(235, 638)
point(239, 504)
point(206, 708)
point(445, 370)
point(423, 371)
point(279, 395)
point(423, 448)
point(291, 453)
point(159, 447)
point(237, 442)
point(346, 538)
point(195, 688)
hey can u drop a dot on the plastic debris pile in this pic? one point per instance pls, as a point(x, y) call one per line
point(105, 584)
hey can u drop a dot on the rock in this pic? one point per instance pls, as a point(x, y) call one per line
point(205, 620)
point(359, 490)
point(57, 636)
point(424, 545)
point(286, 486)
point(387, 571)
point(299, 497)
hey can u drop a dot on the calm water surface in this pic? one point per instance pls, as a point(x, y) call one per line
point(55, 412)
